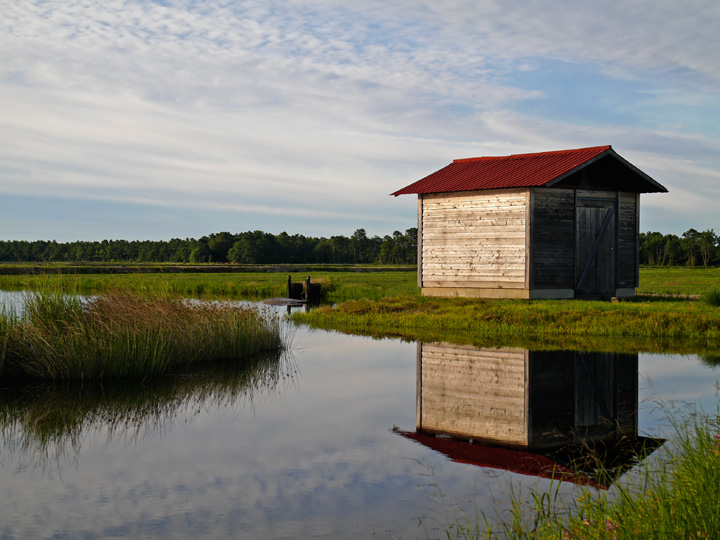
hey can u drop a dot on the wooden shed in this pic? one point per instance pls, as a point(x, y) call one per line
point(558, 224)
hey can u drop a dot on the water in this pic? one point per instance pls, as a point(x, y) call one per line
point(310, 453)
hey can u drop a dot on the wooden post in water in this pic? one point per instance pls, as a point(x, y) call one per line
point(294, 290)
point(312, 292)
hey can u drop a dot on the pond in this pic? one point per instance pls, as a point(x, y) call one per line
point(336, 440)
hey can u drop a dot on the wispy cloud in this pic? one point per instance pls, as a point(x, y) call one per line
point(320, 108)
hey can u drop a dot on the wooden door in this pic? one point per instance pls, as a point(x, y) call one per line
point(595, 247)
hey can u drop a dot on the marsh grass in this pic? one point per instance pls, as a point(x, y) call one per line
point(661, 326)
point(337, 286)
point(672, 494)
point(61, 337)
point(712, 298)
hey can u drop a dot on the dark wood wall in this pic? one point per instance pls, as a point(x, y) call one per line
point(552, 241)
point(628, 231)
point(553, 244)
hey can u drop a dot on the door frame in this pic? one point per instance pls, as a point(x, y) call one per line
point(605, 237)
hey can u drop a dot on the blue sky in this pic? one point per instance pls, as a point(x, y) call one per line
point(151, 120)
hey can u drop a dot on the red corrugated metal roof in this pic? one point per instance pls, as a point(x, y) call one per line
point(519, 170)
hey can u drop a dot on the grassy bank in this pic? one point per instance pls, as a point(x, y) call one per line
point(116, 336)
point(688, 326)
point(674, 495)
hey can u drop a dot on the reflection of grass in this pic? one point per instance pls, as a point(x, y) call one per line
point(41, 420)
point(117, 336)
point(680, 326)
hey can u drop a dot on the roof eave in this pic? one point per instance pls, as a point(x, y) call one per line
point(578, 168)
point(659, 188)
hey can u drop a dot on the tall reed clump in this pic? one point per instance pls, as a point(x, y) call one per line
point(117, 336)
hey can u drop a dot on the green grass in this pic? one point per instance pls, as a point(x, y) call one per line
point(678, 280)
point(343, 285)
point(712, 298)
point(674, 494)
point(651, 325)
point(662, 326)
point(118, 336)
point(337, 286)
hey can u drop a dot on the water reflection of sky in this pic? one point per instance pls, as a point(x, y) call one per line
point(674, 380)
point(315, 459)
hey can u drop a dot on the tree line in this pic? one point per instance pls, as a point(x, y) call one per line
point(252, 247)
point(693, 248)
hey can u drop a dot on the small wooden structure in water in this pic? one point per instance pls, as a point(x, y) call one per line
point(299, 294)
point(547, 225)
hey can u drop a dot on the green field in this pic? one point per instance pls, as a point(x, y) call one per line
point(678, 280)
point(344, 283)
point(338, 286)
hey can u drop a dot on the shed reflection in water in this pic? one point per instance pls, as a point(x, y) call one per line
point(564, 414)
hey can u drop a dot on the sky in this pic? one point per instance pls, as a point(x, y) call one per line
point(151, 120)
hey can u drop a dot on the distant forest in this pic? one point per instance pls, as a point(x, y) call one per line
point(693, 248)
point(252, 247)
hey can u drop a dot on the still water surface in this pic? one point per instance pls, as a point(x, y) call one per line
point(307, 452)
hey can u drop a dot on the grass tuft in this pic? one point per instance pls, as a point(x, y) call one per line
point(712, 298)
point(118, 336)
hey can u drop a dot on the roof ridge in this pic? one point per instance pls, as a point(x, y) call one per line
point(540, 169)
point(534, 154)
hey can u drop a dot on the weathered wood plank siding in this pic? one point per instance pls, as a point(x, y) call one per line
point(474, 239)
point(553, 239)
point(474, 393)
point(628, 262)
